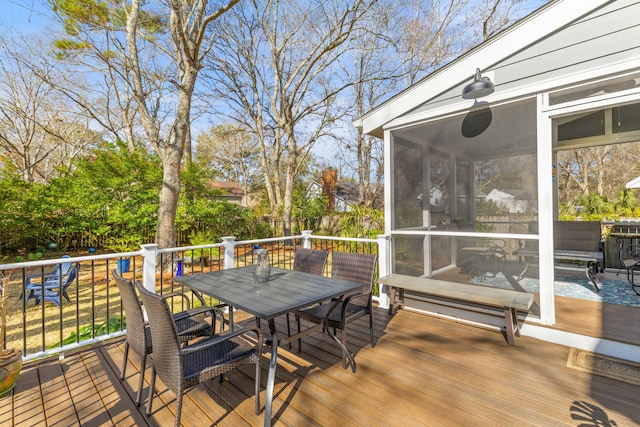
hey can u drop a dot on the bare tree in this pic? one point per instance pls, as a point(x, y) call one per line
point(374, 75)
point(595, 170)
point(155, 49)
point(287, 50)
point(40, 133)
point(496, 15)
point(238, 81)
point(369, 79)
point(403, 42)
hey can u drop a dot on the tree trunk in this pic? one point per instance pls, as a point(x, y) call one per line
point(287, 206)
point(166, 231)
point(171, 155)
point(188, 151)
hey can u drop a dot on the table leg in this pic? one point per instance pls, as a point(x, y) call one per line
point(591, 270)
point(232, 325)
point(620, 242)
point(271, 377)
point(520, 276)
point(336, 339)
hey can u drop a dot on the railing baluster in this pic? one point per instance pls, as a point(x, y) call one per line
point(38, 323)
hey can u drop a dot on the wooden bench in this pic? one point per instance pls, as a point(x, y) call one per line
point(509, 300)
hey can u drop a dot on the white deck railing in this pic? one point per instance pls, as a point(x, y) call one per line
point(46, 329)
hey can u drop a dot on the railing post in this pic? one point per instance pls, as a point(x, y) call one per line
point(149, 256)
point(384, 267)
point(306, 238)
point(229, 255)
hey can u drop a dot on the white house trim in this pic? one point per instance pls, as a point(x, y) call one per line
point(545, 21)
point(546, 216)
point(440, 114)
point(634, 183)
point(518, 94)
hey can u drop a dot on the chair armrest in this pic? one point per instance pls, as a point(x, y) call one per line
point(31, 276)
point(196, 311)
point(358, 295)
point(343, 303)
point(199, 296)
point(43, 277)
point(499, 243)
point(186, 297)
point(630, 262)
point(178, 294)
point(49, 282)
point(224, 336)
point(498, 247)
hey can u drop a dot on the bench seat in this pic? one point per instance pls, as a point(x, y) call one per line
point(590, 259)
point(573, 242)
point(509, 300)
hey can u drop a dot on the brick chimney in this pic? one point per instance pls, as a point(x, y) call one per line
point(329, 186)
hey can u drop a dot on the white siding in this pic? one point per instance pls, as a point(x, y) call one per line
point(606, 36)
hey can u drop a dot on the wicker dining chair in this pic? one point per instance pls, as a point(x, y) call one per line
point(181, 368)
point(309, 261)
point(191, 325)
point(354, 267)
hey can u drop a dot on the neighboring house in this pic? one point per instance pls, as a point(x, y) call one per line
point(230, 191)
point(436, 200)
point(514, 201)
point(565, 77)
point(634, 183)
point(345, 195)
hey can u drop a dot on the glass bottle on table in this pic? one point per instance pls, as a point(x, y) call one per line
point(262, 265)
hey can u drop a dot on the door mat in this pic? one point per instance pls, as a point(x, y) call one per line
point(606, 366)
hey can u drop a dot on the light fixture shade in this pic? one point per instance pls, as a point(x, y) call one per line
point(481, 86)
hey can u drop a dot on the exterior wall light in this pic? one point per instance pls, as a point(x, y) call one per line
point(481, 86)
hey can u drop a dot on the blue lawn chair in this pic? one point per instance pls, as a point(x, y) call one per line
point(60, 269)
point(54, 284)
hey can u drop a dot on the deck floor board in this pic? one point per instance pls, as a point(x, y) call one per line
point(422, 370)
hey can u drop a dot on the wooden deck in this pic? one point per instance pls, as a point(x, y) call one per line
point(591, 318)
point(423, 371)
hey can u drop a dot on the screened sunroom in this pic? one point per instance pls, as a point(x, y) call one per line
point(471, 182)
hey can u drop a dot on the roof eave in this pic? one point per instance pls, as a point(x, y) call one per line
point(539, 24)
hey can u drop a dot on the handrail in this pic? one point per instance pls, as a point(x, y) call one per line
point(47, 330)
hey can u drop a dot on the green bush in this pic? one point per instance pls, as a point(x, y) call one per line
point(111, 199)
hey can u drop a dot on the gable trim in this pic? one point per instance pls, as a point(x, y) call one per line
point(525, 32)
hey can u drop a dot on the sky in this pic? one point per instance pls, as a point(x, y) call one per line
point(23, 15)
point(33, 16)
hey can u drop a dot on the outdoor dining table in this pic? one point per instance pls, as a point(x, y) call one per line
point(284, 292)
